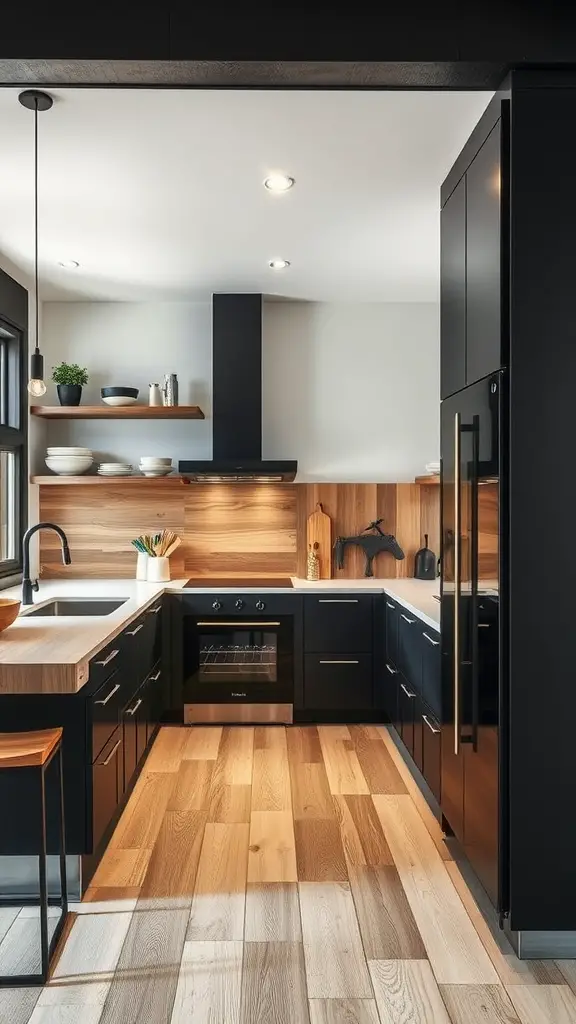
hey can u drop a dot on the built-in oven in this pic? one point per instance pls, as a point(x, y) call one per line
point(238, 658)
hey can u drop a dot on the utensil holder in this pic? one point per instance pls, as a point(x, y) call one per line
point(142, 566)
point(158, 569)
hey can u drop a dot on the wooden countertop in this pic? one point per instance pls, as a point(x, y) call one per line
point(52, 655)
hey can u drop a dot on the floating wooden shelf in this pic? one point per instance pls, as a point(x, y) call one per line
point(428, 481)
point(119, 412)
point(92, 480)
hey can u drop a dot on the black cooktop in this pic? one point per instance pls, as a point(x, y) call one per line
point(236, 584)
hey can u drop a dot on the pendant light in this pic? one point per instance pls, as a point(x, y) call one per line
point(35, 100)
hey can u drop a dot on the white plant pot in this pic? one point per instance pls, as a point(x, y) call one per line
point(158, 569)
point(142, 566)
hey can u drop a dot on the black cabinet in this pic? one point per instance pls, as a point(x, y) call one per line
point(338, 624)
point(338, 683)
point(392, 618)
point(431, 750)
point(453, 291)
point(103, 710)
point(431, 670)
point(483, 261)
point(410, 649)
point(407, 713)
point(107, 785)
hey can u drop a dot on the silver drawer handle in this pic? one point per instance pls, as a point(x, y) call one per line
point(111, 694)
point(483, 625)
point(102, 764)
point(132, 711)
point(137, 630)
point(337, 600)
point(430, 726)
point(154, 611)
point(435, 643)
point(107, 660)
point(406, 619)
point(407, 692)
point(392, 671)
point(153, 679)
point(339, 661)
point(392, 606)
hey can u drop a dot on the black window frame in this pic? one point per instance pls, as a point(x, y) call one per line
point(14, 438)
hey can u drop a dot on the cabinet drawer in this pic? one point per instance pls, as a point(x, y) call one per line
point(406, 713)
point(431, 751)
point(410, 648)
point(431, 670)
point(104, 710)
point(334, 682)
point(392, 617)
point(106, 662)
point(106, 786)
point(341, 624)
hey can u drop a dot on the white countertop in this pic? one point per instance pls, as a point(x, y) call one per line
point(70, 641)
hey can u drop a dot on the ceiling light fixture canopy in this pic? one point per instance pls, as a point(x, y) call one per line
point(278, 182)
point(68, 264)
point(36, 101)
point(278, 264)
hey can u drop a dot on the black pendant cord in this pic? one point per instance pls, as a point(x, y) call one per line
point(37, 319)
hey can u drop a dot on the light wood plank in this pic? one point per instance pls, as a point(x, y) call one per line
point(167, 750)
point(108, 899)
point(174, 861)
point(543, 1004)
point(454, 948)
point(192, 788)
point(271, 781)
point(220, 891)
point(367, 824)
point(351, 842)
point(272, 913)
point(65, 1014)
point(378, 768)
point(335, 963)
point(343, 1011)
point(319, 853)
point(87, 962)
point(567, 970)
point(303, 744)
point(202, 743)
point(236, 755)
point(229, 805)
point(209, 984)
point(17, 1004)
point(142, 817)
point(7, 917)
point(272, 853)
point(270, 737)
point(406, 991)
point(478, 1004)
point(273, 984)
point(120, 868)
point(20, 947)
point(311, 797)
point(144, 984)
point(331, 733)
point(342, 764)
point(387, 925)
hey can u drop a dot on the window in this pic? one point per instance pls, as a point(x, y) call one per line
point(13, 451)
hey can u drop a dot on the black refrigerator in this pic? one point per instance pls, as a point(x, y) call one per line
point(474, 729)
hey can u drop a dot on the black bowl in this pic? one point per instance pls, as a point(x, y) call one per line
point(119, 392)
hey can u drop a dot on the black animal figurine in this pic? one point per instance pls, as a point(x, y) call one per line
point(371, 543)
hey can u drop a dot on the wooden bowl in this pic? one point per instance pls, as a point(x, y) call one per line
point(9, 608)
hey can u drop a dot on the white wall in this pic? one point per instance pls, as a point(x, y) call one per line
point(350, 390)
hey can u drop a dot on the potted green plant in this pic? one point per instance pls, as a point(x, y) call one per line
point(69, 378)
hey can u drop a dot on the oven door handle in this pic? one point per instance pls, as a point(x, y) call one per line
point(236, 624)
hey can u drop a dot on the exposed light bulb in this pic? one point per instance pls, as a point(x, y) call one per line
point(36, 388)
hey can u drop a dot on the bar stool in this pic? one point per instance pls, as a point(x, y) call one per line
point(34, 752)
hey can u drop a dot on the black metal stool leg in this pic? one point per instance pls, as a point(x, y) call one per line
point(43, 882)
point(63, 879)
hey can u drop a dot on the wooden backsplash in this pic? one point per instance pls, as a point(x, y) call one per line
point(230, 529)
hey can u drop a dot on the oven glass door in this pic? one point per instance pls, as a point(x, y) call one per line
point(238, 659)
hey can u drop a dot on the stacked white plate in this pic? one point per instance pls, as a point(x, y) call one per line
point(433, 468)
point(69, 461)
point(114, 469)
point(152, 466)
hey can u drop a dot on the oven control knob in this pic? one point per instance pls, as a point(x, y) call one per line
point(260, 605)
point(239, 604)
point(217, 606)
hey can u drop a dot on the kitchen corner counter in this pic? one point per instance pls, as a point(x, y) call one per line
point(51, 655)
point(417, 596)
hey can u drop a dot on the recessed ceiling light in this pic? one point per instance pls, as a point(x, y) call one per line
point(278, 182)
point(68, 264)
point(278, 264)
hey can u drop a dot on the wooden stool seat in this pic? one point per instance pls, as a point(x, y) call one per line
point(28, 749)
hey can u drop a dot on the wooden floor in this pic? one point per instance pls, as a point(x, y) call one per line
point(284, 876)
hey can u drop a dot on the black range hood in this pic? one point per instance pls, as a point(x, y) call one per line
point(237, 398)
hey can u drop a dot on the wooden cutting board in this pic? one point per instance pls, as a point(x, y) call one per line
point(319, 531)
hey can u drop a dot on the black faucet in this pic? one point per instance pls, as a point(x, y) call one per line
point(28, 585)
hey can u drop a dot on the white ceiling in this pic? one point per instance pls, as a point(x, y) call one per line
point(158, 194)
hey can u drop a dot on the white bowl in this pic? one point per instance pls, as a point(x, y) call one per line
point(159, 471)
point(115, 465)
point(71, 466)
point(119, 400)
point(152, 461)
point(81, 452)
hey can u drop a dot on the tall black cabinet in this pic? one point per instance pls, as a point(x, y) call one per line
point(508, 225)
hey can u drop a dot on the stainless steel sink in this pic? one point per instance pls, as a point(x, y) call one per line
point(78, 606)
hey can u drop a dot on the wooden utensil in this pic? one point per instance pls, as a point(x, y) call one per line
point(319, 532)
